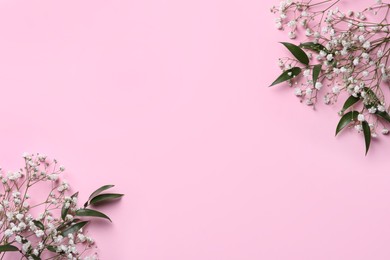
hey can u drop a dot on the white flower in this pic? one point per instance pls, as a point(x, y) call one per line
point(381, 108)
point(366, 45)
point(298, 92)
point(53, 177)
point(344, 51)
point(26, 246)
point(361, 117)
point(372, 110)
point(26, 156)
point(8, 233)
point(292, 35)
point(356, 61)
point(358, 128)
point(308, 91)
point(365, 73)
point(22, 226)
point(326, 99)
point(278, 25)
point(59, 239)
point(292, 23)
point(81, 237)
point(39, 233)
point(69, 217)
point(318, 85)
point(365, 56)
point(329, 57)
point(18, 239)
point(336, 89)
point(385, 131)
point(90, 240)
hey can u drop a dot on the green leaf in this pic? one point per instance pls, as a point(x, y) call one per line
point(39, 224)
point(52, 248)
point(316, 47)
point(8, 248)
point(97, 192)
point(105, 197)
point(349, 102)
point(298, 53)
point(287, 75)
point(91, 213)
point(384, 115)
point(74, 228)
point(316, 73)
point(67, 224)
point(346, 120)
point(367, 135)
point(34, 257)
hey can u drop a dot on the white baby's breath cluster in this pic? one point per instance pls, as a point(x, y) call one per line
point(352, 48)
point(35, 228)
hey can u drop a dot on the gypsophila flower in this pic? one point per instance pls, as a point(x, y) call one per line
point(292, 35)
point(50, 231)
point(318, 85)
point(298, 92)
point(350, 62)
point(336, 89)
point(372, 110)
point(381, 108)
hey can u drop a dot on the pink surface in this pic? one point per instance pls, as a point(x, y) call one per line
point(169, 100)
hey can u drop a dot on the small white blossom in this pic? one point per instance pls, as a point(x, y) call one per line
point(336, 89)
point(372, 110)
point(366, 45)
point(292, 35)
point(8, 233)
point(39, 233)
point(298, 92)
point(381, 108)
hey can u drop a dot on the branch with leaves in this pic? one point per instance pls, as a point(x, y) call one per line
point(343, 54)
point(54, 227)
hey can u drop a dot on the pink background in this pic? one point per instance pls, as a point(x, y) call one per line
point(169, 100)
